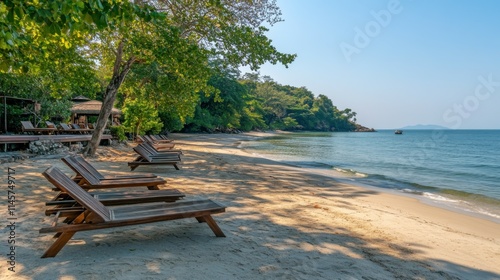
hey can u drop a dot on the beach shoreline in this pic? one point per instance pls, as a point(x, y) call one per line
point(281, 222)
point(472, 204)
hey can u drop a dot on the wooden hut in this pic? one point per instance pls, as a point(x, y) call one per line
point(82, 110)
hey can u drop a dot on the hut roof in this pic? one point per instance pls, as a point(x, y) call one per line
point(80, 98)
point(92, 107)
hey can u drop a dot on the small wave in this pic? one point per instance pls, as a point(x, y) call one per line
point(438, 197)
point(486, 212)
point(350, 172)
point(412, 191)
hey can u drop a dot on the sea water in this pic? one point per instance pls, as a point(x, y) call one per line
point(454, 168)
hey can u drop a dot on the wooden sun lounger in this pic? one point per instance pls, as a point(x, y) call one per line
point(89, 181)
point(69, 208)
point(98, 216)
point(27, 126)
point(145, 158)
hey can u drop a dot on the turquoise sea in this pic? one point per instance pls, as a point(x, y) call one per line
point(458, 169)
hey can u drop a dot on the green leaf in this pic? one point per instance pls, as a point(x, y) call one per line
point(88, 18)
point(10, 15)
point(19, 12)
point(80, 4)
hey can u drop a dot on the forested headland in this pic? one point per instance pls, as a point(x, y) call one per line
point(242, 103)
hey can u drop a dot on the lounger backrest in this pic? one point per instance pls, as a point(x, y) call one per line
point(64, 183)
point(50, 124)
point(148, 148)
point(73, 164)
point(159, 138)
point(149, 139)
point(139, 138)
point(90, 168)
point(145, 154)
point(65, 126)
point(27, 125)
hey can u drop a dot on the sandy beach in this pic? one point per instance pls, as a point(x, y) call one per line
point(281, 222)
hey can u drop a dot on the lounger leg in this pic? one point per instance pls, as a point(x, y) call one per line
point(213, 226)
point(58, 244)
point(132, 167)
point(200, 219)
point(176, 167)
point(153, 188)
point(74, 220)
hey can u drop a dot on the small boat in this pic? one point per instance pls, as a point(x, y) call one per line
point(398, 132)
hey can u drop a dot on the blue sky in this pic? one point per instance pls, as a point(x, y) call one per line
point(396, 63)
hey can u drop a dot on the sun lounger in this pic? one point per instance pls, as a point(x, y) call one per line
point(63, 203)
point(27, 126)
point(98, 216)
point(146, 158)
point(89, 181)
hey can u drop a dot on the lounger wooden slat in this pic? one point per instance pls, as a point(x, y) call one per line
point(98, 216)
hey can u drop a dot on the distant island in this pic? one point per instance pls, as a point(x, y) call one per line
point(423, 127)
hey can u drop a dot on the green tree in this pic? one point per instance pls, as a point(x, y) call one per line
point(222, 111)
point(140, 117)
point(324, 111)
point(225, 30)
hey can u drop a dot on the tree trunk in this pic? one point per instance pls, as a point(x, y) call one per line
point(119, 74)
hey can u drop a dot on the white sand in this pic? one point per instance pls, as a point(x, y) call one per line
point(281, 222)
